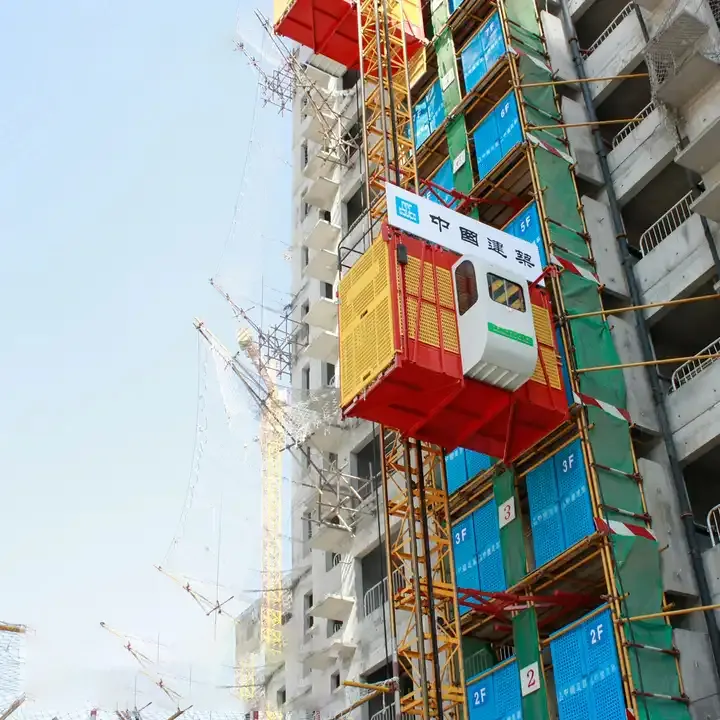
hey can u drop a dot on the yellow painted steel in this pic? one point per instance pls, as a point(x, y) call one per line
point(280, 7)
point(367, 345)
point(437, 288)
point(422, 516)
point(548, 360)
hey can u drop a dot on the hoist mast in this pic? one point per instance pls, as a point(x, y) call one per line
point(427, 650)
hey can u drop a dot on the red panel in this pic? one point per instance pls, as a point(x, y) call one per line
point(425, 395)
point(329, 28)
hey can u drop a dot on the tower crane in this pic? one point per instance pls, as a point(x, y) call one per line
point(262, 384)
point(145, 663)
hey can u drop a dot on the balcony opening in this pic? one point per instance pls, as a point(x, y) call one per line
point(645, 215)
point(704, 493)
point(281, 697)
point(630, 99)
point(328, 375)
point(307, 604)
point(373, 570)
point(305, 379)
point(366, 466)
point(355, 207)
point(304, 155)
point(304, 256)
point(350, 79)
point(383, 707)
point(304, 310)
point(335, 681)
point(332, 560)
point(598, 21)
point(687, 331)
point(334, 626)
point(327, 290)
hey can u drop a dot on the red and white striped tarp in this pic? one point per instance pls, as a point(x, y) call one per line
point(617, 412)
point(573, 268)
point(613, 527)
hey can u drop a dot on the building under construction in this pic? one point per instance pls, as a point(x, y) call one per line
point(507, 267)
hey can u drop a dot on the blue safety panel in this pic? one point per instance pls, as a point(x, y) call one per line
point(575, 507)
point(481, 699)
point(526, 226)
point(464, 543)
point(497, 134)
point(455, 4)
point(468, 580)
point(545, 519)
point(487, 541)
point(456, 469)
point(477, 462)
point(444, 178)
point(485, 48)
point(496, 696)
point(428, 114)
point(587, 675)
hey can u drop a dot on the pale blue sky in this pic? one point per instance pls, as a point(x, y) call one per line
point(123, 132)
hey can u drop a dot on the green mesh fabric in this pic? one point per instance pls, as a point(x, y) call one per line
point(610, 442)
point(457, 140)
point(512, 539)
point(639, 579)
point(439, 14)
point(478, 656)
point(447, 70)
point(593, 345)
point(527, 651)
point(558, 188)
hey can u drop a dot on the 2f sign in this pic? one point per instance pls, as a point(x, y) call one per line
point(530, 679)
point(506, 512)
point(479, 696)
point(596, 634)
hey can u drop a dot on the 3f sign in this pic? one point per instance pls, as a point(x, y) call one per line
point(596, 634)
point(568, 463)
point(460, 535)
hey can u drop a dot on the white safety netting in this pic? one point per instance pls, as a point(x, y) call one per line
point(687, 27)
point(29, 712)
point(298, 413)
point(12, 667)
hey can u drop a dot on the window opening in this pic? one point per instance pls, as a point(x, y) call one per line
point(466, 284)
point(505, 292)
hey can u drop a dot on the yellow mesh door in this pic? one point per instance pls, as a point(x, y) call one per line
point(546, 349)
point(365, 322)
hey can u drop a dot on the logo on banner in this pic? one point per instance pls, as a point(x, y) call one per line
point(407, 210)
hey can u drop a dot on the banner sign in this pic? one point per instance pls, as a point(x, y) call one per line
point(461, 234)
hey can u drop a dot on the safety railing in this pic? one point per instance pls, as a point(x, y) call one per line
point(388, 713)
point(377, 595)
point(692, 368)
point(713, 525)
point(482, 660)
point(625, 130)
point(666, 224)
point(625, 12)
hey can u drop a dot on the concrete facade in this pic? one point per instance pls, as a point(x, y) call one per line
point(338, 629)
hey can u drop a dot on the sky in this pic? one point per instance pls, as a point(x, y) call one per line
point(130, 139)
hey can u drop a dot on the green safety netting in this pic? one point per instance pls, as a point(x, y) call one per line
point(512, 539)
point(447, 70)
point(639, 579)
point(527, 651)
point(610, 442)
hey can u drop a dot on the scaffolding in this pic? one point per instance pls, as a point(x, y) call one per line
point(610, 567)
